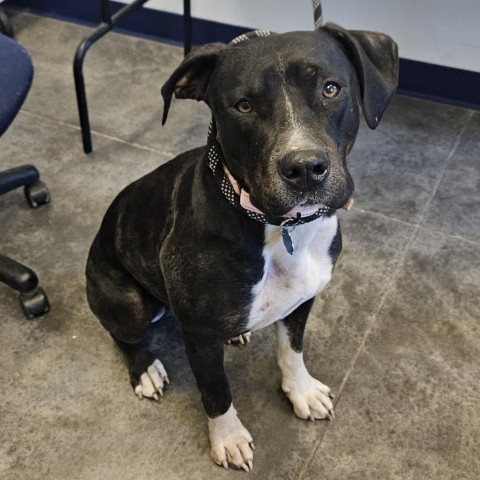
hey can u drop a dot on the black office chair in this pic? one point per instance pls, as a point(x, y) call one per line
point(16, 73)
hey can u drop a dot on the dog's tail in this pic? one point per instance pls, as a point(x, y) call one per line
point(317, 13)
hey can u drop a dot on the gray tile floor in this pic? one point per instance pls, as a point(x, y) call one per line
point(396, 334)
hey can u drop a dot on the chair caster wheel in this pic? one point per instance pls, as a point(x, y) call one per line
point(34, 303)
point(37, 194)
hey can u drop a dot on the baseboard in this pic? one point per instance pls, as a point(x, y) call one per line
point(438, 83)
point(145, 22)
point(418, 79)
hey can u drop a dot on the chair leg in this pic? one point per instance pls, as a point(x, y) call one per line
point(187, 27)
point(81, 94)
point(33, 299)
point(108, 22)
point(36, 192)
point(5, 25)
point(18, 176)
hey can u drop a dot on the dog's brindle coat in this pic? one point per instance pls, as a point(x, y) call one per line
point(286, 109)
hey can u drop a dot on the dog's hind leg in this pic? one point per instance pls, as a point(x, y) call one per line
point(242, 339)
point(147, 373)
point(127, 311)
point(311, 399)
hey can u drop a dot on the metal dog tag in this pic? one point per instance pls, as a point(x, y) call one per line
point(287, 240)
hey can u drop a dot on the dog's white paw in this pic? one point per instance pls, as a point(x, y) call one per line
point(311, 399)
point(231, 442)
point(241, 339)
point(152, 381)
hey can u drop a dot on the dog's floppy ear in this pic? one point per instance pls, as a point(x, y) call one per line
point(190, 79)
point(375, 57)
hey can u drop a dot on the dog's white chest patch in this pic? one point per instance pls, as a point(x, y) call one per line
point(290, 280)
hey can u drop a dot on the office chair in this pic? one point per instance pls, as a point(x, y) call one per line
point(16, 73)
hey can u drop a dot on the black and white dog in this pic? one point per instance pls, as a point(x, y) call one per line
point(243, 233)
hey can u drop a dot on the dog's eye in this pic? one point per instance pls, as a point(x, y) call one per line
point(243, 106)
point(331, 90)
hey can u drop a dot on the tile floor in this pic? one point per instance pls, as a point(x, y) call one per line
point(396, 334)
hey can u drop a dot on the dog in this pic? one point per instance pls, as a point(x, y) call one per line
point(243, 232)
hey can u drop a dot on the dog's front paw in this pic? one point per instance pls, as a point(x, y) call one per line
point(311, 399)
point(152, 381)
point(231, 442)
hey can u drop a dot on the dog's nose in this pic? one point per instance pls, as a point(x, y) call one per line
point(304, 170)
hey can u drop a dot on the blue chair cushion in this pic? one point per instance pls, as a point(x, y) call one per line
point(16, 73)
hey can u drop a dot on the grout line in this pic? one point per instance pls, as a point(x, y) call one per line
point(453, 236)
point(383, 215)
point(425, 228)
point(386, 293)
point(53, 120)
point(135, 145)
point(99, 134)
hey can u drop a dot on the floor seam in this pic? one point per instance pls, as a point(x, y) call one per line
point(424, 227)
point(386, 293)
point(453, 236)
point(99, 134)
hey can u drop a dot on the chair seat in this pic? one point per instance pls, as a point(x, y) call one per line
point(16, 73)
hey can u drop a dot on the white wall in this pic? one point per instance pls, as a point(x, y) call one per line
point(442, 32)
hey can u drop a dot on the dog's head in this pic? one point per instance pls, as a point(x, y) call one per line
point(287, 108)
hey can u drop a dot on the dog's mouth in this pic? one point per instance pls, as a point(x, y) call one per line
point(291, 208)
point(304, 209)
point(276, 197)
point(243, 191)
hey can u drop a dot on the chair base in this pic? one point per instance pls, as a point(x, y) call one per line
point(33, 299)
point(35, 303)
